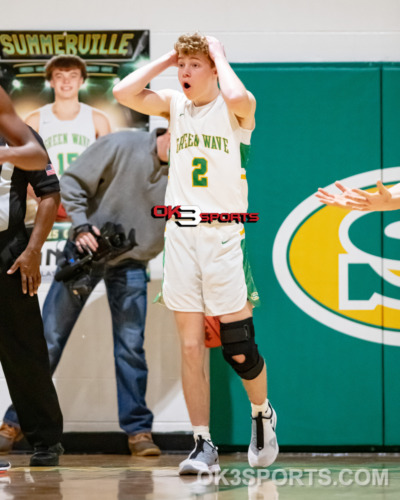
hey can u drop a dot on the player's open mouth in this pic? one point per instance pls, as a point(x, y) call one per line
point(186, 85)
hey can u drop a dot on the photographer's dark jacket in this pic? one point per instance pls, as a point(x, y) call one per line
point(13, 190)
point(119, 179)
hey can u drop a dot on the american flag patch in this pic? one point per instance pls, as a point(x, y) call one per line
point(50, 170)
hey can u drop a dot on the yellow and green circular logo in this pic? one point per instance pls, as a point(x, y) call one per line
point(342, 267)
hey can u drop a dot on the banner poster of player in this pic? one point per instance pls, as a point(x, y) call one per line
point(109, 57)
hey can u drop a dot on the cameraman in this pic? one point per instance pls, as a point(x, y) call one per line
point(117, 179)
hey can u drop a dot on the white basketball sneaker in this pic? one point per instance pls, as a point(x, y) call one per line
point(263, 448)
point(204, 458)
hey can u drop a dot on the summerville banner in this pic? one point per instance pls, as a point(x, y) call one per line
point(32, 45)
point(109, 56)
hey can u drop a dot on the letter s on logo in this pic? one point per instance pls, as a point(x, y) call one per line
point(322, 266)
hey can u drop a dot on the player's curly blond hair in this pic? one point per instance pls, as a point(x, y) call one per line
point(192, 43)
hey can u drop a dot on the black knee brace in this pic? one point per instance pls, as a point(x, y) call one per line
point(238, 338)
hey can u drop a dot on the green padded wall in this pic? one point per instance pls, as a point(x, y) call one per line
point(391, 158)
point(314, 124)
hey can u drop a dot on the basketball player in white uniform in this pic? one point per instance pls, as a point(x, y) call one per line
point(67, 126)
point(204, 270)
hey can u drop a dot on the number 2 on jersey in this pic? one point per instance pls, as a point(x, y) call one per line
point(199, 174)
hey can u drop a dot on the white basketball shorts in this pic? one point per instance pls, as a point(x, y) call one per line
point(206, 269)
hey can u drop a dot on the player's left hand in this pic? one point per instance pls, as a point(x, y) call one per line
point(215, 47)
point(29, 265)
point(172, 57)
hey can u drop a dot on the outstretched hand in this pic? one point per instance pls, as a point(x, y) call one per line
point(375, 201)
point(356, 199)
point(337, 200)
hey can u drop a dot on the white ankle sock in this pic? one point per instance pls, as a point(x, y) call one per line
point(263, 408)
point(203, 431)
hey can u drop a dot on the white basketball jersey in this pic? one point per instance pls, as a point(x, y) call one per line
point(65, 140)
point(208, 153)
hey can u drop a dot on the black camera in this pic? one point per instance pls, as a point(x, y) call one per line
point(75, 267)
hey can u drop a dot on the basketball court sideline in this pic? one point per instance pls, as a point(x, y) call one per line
point(123, 477)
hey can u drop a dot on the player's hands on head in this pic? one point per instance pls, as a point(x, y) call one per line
point(173, 57)
point(215, 47)
point(86, 240)
point(29, 265)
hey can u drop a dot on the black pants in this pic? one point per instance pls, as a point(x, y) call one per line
point(25, 362)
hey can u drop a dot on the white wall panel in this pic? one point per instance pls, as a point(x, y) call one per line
point(209, 15)
point(256, 30)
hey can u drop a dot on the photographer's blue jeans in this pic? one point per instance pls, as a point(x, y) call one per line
point(127, 296)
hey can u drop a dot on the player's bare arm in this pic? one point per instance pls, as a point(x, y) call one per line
point(238, 99)
point(356, 199)
point(101, 123)
point(24, 151)
point(132, 91)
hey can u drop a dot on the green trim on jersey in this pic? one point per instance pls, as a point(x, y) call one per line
point(252, 294)
point(244, 154)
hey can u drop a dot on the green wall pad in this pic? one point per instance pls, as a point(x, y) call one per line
point(317, 268)
point(391, 250)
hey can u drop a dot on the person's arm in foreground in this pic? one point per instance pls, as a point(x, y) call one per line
point(357, 199)
point(23, 150)
point(29, 261)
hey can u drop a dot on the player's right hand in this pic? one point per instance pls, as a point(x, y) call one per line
point(173, 57)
